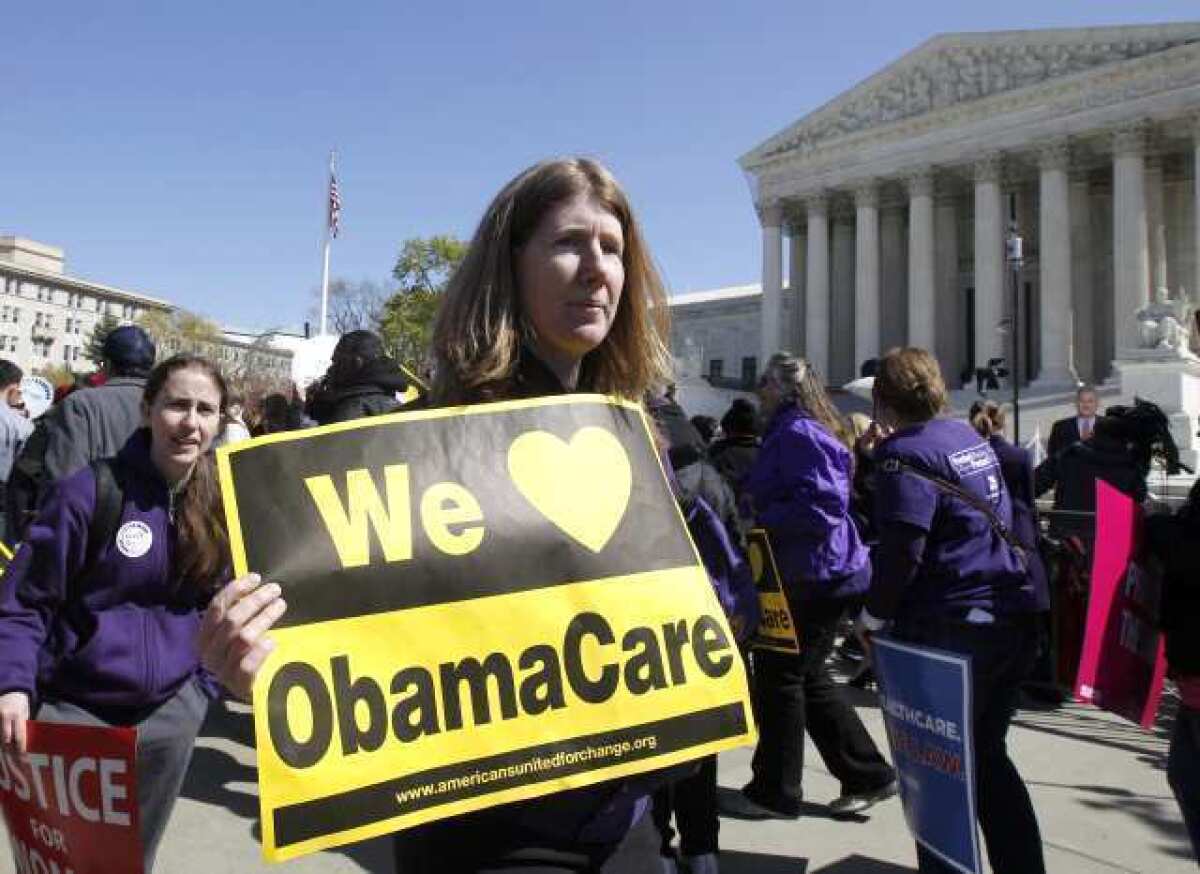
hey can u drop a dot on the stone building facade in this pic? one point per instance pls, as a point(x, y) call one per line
point(892, 202)
point(47, 317)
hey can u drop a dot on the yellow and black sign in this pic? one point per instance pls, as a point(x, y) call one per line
point(485, 604)
point(776, 628)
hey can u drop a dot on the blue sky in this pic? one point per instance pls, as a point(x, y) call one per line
point(179, 149)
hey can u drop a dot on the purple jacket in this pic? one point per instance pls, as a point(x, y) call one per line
point(799, 487)
point(116, 638)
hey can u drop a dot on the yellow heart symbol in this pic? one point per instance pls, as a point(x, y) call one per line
point(582, 486)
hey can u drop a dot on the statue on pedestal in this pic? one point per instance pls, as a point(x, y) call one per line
point(1165, 324)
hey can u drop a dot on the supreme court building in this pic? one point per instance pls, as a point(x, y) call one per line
point(890, 205)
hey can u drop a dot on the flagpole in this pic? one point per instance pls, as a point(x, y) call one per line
point(325, 258)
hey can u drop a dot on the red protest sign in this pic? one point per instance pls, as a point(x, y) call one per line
point(1122, 666)
point(70, 803)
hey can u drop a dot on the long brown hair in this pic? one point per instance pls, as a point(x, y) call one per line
point(801, 386)
point(479, 329)
point(202, 547)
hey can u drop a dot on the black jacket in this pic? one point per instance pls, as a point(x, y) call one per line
point(1063, 433)
point(369, 392)
point(1073, 474)
point(1172, 539)
point(733, 457)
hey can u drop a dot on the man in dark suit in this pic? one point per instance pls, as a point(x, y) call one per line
point(1068, 432)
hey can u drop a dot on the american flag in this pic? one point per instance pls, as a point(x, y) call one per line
point(335, 205)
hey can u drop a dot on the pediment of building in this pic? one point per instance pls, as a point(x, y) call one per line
point(955, 69)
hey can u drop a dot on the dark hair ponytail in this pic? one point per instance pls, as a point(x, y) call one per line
point(987, 417)
point(202, 546)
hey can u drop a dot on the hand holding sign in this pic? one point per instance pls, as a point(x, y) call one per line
point(487, 604)
point(232, 641)
point(14, 713)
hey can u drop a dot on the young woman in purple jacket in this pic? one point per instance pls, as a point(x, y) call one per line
point(557, 293)
point(799, 491)
point(105, 634)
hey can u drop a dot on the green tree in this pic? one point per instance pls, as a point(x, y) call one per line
point(180, 331)
point(94, 351)
point(423, 268)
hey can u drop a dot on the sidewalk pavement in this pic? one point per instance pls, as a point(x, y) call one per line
point(1098, 784)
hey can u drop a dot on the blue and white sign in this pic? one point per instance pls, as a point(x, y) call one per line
point(925, 695)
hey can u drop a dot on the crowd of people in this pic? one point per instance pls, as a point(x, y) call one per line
point(118, 607)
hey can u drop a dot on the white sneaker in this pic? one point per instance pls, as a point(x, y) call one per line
point(848, 805)
point(706, 863)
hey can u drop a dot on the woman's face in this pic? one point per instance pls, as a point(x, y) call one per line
point(570, 275)
point(183, 419)
point(769, 396)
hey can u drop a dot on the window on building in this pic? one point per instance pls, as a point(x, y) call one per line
point(12, 344)
point(37, 320)
point(716, 368)
point(74, 353)
point(66, 353)
point(16, 314)
point(749, 370)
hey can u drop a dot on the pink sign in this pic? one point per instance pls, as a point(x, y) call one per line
point(1122, 665)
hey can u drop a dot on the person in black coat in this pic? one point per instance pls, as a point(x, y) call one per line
point(1108, 455)
point(733, 455)
point(1172, 539)
point(1068, 432)
point(361, 381)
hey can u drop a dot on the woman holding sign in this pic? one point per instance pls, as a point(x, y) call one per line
point(557, 293)
point(97, 626)
point(799, 491)
point(950, 575)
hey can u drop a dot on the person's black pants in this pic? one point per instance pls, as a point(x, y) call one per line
point(694, 803)
point(1001, 657)
point(487, 843)
point(1183, 771)
point(795, 693)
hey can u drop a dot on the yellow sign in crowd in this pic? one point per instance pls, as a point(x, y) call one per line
point(486, 604)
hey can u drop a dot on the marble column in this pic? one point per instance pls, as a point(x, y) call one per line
point(866, 273)
point(893, 277)
point(793, 339)
point(816, 291)
point(1156, 222)
point(771, 313)
point(921, 323)
point(949, 319)
point(841, 305)
point(1054, 259)
point(1082, 307)
point(989, 261)
point(1196, 208)
point(1131, 254)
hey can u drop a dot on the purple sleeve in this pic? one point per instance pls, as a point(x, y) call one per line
point(903, 497)
point(895, 560)
point(35, 584)
point(799, 485)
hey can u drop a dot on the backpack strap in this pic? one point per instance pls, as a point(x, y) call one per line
point(970, 498)
point(110, 499)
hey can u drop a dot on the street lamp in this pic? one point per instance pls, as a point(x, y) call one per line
point(1014, 252)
